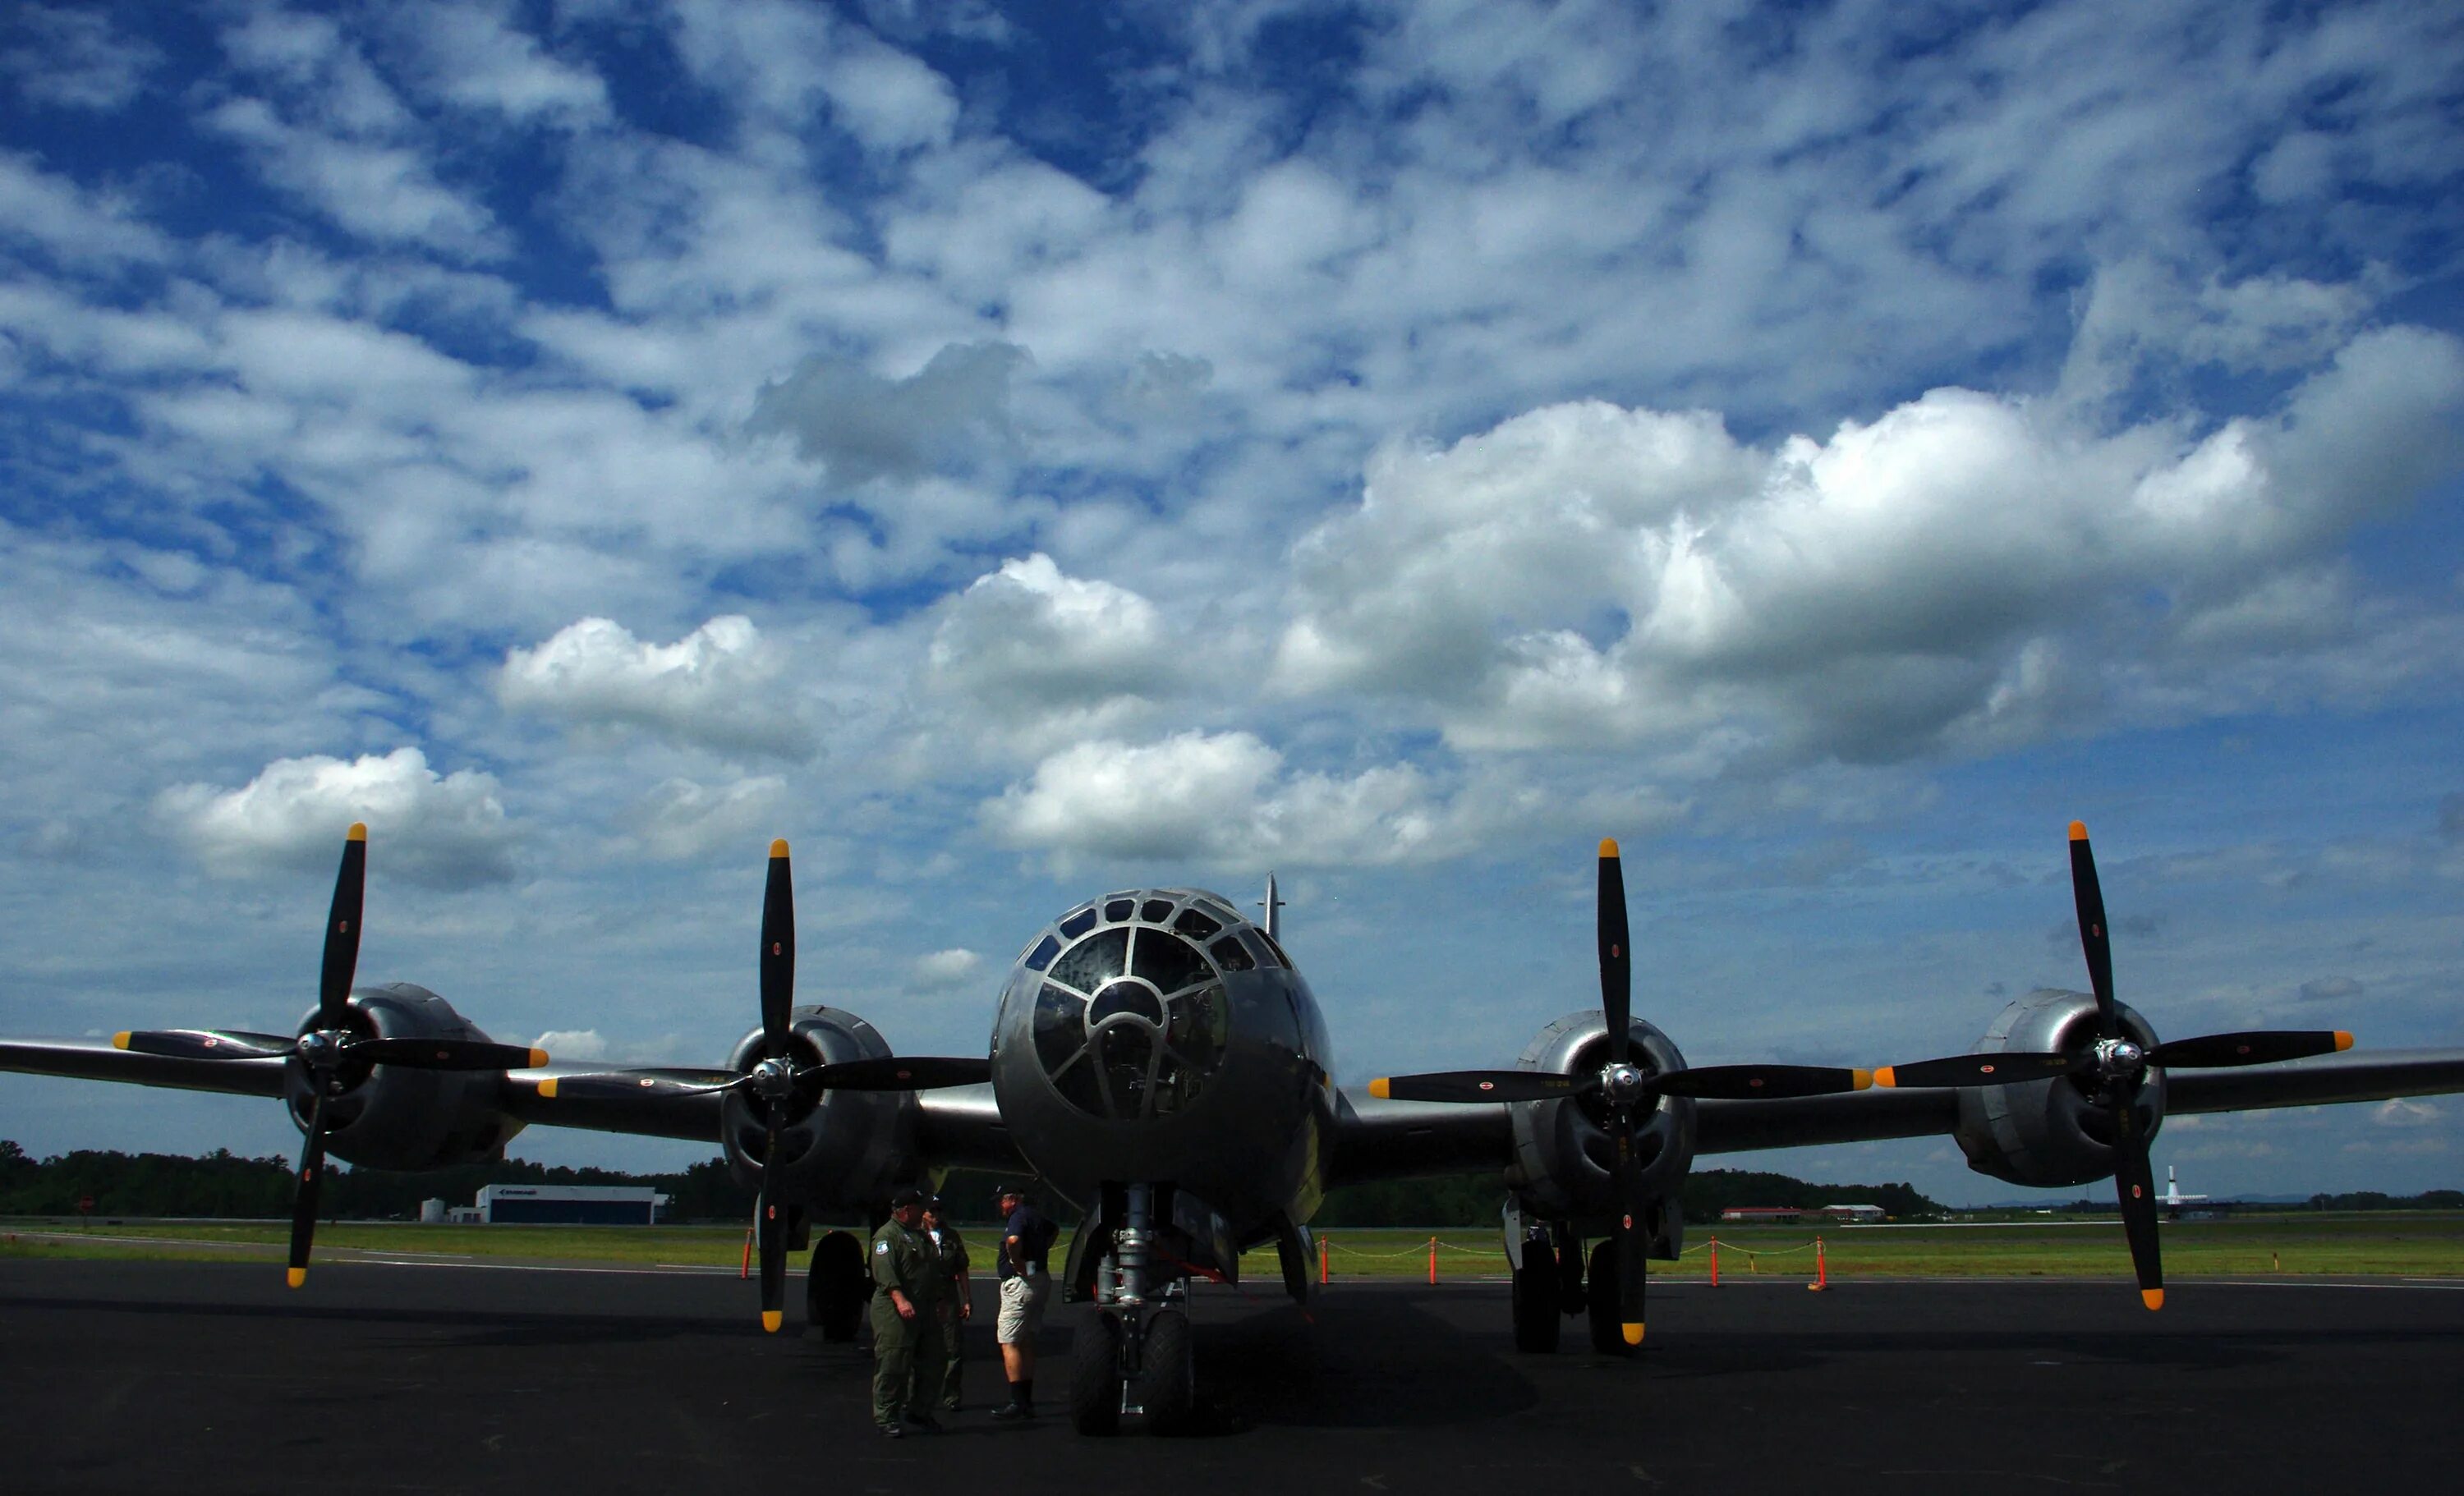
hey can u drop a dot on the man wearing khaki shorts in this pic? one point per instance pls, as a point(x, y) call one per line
point(1026, 1286)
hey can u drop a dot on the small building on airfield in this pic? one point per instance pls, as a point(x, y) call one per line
point(569, 1206)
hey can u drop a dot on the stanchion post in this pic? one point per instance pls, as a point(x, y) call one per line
point(1321, 1262)
point(1821, 1273)
point(1715, 1261)
point(1433, 1262)
point(746, 1270)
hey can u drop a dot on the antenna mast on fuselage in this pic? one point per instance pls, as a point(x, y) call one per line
point(1273, 905)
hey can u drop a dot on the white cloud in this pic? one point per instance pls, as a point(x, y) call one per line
point(77, 59)
point(476, 60)
point(1584, 574)
point(442, 831)
point(1027, 642)
point(681, 818)
point(573, 1047)
point(946, 969)
point(713, 688)
point(1227, 797)
point(2401, 1114)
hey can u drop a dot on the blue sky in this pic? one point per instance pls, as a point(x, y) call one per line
point(1015, 453)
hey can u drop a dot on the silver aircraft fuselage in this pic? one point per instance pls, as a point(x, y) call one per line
point(1158, 1036)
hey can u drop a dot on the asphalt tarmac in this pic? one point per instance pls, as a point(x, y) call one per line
point(206, 1377)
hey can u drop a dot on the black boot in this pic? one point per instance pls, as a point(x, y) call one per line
point(1022, 1401)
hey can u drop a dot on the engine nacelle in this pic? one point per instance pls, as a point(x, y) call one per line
point(1564, 1162)
point(850, 1147)
point(389, 1116)
point(2047, 1132)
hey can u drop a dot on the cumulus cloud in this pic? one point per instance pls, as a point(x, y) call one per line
point(1937, 579)
point(2400, 1112)
point(713, 688)
point(573, 1046)
point(438, 830)
point(1227, 797)
point(863, 427)
point(1027, 642)
point(681, 818)
point(945, 969)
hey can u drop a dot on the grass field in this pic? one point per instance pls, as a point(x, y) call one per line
point(2389, 1242)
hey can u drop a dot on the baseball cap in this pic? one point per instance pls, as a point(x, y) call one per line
point(906, 1196)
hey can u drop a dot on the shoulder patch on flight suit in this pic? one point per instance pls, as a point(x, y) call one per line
point(881, 1248)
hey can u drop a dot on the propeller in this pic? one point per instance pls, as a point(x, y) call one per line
point(1625, 1088)
point(781, 1081)
point(332, 1044)
point(2115, 1068)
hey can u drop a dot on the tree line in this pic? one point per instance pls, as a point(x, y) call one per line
point(222, 1184)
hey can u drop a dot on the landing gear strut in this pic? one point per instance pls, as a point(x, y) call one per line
point(1133, 1354)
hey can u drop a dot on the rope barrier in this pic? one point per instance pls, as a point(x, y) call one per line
point(1328, 1249)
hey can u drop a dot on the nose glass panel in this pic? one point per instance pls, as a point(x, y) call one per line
point(1131, 1019)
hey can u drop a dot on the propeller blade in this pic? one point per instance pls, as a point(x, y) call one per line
point(204, 1044)
point(2220, 1051)
point(773, 1244)
point(446, 1054)
point(342, 931)
point(893, 1072)
point(1633, 1270)
point(2134, 1184)
point(2094, 938)
point(1617, 953)
point(312, 1172)
point(2005, 1068)
point(1760, 1082)
point(778, 951)
point(630, 1084)
point(1491, 1085)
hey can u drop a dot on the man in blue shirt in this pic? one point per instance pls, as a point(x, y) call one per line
point(1025, 1287)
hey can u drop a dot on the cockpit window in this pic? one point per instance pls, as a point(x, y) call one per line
point(1044, 951)
point(1198, 923)
point(1077, 922)
point(1132, 1020)
point(1231, 954)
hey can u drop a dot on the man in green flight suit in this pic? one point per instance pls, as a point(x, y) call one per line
point(906, 1350)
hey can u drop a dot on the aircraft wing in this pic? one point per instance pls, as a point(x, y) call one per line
point(1921, 1111)
point(1378, 1139)
point(98, 1060)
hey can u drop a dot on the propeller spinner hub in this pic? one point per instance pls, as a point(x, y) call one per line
point(322, 1049)
point(774, 1080)
point(2119, 1058)
point(1623, 1085)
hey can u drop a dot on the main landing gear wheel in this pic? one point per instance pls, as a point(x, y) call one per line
point(1096, 1376)
point(1535, 1300)
point(1167, 1386)
point(1608, 1334)
point(838, 1288)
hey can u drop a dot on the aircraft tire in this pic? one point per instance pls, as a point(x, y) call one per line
point(1096, 1376)
point(1536, 1300)
point(1167, 1387)
point(1608, 1336)
point(838, 1288)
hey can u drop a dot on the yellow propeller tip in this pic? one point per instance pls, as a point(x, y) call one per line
point(778, 847)
point(1859, 1080)
point(2343, 1041)
point(1886, 1077)
point(2078, 830)
point(770, 1319)
point(538, 1057)
point(1379, 1088)
point(296, 1276)
point(547, 1089)
point(2153, 1298)
point(359, 833)
point(1634, 1335)
point(1608, 846)
point(120, 1040)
